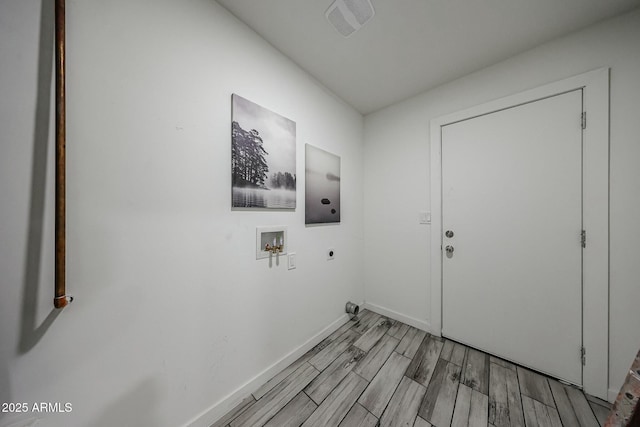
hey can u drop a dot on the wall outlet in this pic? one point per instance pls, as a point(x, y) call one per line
point(291, 258)
point(331, 254)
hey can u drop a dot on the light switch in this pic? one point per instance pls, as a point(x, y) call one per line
point(424, 217)
point(291, 258)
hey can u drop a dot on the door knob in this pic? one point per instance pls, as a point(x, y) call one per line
point(448, 233)
point(449, 249)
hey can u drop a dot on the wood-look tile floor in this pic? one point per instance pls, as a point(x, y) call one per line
point(379, 372)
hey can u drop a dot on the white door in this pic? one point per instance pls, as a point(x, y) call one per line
point(512, 196)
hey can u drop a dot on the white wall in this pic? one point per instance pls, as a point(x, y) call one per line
point(397, 173)
point(172, 311)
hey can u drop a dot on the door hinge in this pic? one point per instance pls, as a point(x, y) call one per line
point(583, 355)
point(583, 238)
point(583, 120)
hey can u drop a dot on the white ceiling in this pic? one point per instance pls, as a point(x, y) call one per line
point(413, 45)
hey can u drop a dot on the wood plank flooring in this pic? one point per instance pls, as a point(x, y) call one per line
point(375, 371)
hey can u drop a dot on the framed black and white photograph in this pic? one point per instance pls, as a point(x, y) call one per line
point(322, 186)
point(263, 157)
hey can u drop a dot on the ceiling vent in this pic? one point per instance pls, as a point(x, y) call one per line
point(348, 16)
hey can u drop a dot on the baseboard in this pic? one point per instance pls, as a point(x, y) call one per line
point(411, 321)
point(219, 409)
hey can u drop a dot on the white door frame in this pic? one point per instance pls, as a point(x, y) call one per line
point(595, 163)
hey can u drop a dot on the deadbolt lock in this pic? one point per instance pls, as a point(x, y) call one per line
point(448, 233)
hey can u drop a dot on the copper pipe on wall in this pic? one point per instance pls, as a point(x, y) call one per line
point(61, 299)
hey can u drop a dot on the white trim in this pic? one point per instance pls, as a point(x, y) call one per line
point(612, 395)
point(595, 85)
point(222, 407)
point(411, 321)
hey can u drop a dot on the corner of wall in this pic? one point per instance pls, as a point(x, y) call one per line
point(411, 321)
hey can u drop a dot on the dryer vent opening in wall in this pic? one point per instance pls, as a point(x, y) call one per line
point(348, 16)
